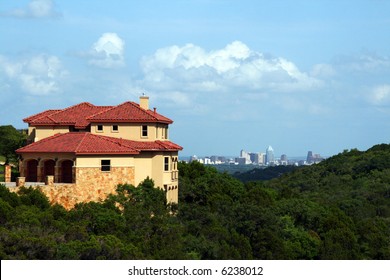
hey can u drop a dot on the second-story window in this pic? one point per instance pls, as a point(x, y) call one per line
point(114, 128)
point(144, 131)
point(165, 133)
point(99, 128)
point(166, 163)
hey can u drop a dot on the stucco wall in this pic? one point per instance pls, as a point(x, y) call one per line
point(42, 132)
point(132, 131)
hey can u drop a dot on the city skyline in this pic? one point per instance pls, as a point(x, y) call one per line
point(265, 158)
point(302, 75)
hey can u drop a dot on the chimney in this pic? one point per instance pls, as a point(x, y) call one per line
point(144, 102)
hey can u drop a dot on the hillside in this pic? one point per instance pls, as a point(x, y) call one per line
point(338, 209)
point(264, 174)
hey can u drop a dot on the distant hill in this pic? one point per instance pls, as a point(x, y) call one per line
point(264, 174)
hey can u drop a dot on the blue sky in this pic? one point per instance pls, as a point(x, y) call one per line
point(296, 75)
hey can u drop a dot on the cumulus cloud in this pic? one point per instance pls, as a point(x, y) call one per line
point(38, 75)
point(380, 95)
point(234, 66)
point(35, 9)
point(323, 70)
point(108, 51)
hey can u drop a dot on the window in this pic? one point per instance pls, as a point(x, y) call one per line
point(166, 163)
point(99, 127)
point(105, 165)
point(144, 131)
point(114, 128)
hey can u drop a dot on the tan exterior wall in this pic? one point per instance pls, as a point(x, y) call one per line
point(95, 161)
point(93, 184)
point(31, 134)
point(144, 167)
point(46, 156)
point(132, 131)
point(47, 131)
point(152, 165)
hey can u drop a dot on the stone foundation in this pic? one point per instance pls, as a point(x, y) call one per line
point(93, 185)
point(20, 181)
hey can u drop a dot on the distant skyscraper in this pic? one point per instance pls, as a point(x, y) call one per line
point(254, 157)
point(246, 156)
point(283, 159)
point(313, 158)
point(309, 158)
point(269, 155)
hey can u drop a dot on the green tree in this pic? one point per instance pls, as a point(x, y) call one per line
point(10, 140)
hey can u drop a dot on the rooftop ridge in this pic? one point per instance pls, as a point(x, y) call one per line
point(40, 141)
point(78, 146)
point(32, 117)
point(108, 108)
point(109, 139)
point(62, 110)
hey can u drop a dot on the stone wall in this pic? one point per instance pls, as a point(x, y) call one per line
point(7, 173)
point(91, 185)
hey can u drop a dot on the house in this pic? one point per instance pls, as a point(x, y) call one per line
point(85, 151)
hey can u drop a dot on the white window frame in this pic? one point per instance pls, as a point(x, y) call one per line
point(99, 130)
point(115, 130)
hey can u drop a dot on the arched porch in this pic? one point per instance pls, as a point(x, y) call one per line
point(37, 169)
point(31, 171)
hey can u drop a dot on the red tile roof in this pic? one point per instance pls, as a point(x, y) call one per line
point(40, 115)
point(81, 115)
point(82, 143)
point(128, 111)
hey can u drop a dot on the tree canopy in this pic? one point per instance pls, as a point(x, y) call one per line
point(10, 140)
point(337, 209)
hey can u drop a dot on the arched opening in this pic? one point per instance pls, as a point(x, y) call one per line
point(48, 168)
point(66, 171)
point(32, 171)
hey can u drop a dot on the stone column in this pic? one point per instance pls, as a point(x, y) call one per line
point(57, 173)
point(20, 181)
point(49, 180)
point(7, 173)
point(21, 166)
point(74, 173)
point(40, 172)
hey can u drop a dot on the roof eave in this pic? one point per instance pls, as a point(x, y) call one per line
point(131, 121)
point(106, 153)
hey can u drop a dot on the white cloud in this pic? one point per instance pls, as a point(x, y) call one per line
point(235, 66)
point(380, 95)
point(363, 62)
point(323, 70)
point(38, 75)
point(108, 51)
point(35, 9)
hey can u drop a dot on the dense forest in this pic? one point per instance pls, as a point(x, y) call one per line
point(337, 209)
point(264, 174)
